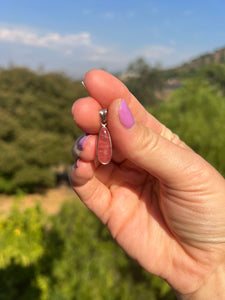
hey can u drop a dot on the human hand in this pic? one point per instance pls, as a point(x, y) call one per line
point(162, 202)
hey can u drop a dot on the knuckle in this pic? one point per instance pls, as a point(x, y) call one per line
point(169, 135)
point(172, 137)
point(147, 142)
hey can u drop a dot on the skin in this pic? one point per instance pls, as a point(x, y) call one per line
point(161, 201)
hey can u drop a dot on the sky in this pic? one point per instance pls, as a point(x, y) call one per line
point(75, 36)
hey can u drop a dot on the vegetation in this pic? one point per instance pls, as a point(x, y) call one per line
point(71, 255)
point(145, 81)
point(215, 75)
point(196, 112)
point(37, 129)
point(192, 67)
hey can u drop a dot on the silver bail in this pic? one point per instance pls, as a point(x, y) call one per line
point(103, 116)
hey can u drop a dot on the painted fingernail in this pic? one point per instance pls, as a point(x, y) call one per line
point(81, 142)
point(125, 115)
point(78, 146)
point(77, 163)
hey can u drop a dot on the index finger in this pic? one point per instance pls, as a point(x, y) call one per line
point(105, 88)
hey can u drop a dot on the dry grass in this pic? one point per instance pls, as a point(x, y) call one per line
point(51, 201)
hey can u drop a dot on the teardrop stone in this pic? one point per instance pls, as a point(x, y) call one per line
point(104, 146)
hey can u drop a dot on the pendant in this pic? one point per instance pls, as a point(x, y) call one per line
point(104, 144)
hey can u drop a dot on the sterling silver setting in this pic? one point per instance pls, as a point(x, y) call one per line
point(104, 143)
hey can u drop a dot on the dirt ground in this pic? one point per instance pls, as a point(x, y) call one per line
point(51, 200)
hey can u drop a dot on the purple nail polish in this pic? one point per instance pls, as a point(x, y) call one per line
point(125, 115)
point(78, 146)
point(80, 143)
point(77, 163)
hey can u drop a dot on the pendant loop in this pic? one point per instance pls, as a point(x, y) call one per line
point(103, 116)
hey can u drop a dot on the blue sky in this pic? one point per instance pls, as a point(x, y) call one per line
point(74, 36)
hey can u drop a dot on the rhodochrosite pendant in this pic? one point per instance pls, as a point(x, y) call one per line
point(104, 144)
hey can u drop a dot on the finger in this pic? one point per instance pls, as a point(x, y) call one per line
point(86, 114)
point(85, 147)
point(145, 148)
point(105, 88)
point(93, 193)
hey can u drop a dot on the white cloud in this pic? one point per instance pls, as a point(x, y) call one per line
point(69, 44)
point(75, 53)
point(165, 55)
point(31, 47)
point(157, 52)
point(52, 40)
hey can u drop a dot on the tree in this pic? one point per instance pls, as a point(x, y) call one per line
point(196, 112)
point(215, 74)
point(37, 128)
point(68, 256)
point(146, 81)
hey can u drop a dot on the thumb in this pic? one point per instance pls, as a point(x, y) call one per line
point(145, 148)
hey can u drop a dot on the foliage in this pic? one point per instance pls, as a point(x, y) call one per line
point(70, 256)
point(93, 259)
point(21, 248)
point(196, 112)
point(193, 67)
point(145, 82)
point(215, 74)
point(20, 236)
point(37, 129)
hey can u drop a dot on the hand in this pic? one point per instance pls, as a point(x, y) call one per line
point(162, 202)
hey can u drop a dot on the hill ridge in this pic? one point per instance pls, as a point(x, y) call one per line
point(215, 57)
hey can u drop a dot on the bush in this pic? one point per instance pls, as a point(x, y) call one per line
point(37, 128)
point(196, 112)
point(146, 83)
point(93, 267)
point(69, 256)
point(21, 248)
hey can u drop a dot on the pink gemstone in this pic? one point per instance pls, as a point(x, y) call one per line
point(104, 146)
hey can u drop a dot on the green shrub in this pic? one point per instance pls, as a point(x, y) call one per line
point(69, 256)
point(196, 112)
point(92, 266)
point(21, 249)
point(37, 128)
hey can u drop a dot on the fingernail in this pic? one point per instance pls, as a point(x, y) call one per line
point(125, 115)
point(77, 163)
point(78, 146)
point(73, 107)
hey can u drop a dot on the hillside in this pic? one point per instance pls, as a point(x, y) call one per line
point(197, 63)
point(37, 128)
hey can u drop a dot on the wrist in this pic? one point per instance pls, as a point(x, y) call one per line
point(212, 288)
